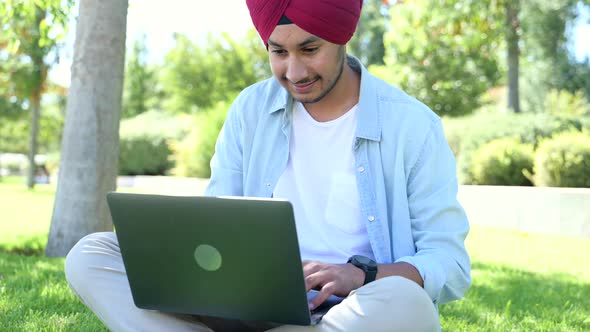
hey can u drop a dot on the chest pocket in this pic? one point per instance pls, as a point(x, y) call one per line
point(343, 205)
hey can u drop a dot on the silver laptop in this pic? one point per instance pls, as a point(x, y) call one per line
point(234, 258)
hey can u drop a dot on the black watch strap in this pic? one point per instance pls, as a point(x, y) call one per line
point(366, 264)
point(370, 275)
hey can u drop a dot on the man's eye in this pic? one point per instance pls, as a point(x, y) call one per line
point(279, 52)
point(310, 49)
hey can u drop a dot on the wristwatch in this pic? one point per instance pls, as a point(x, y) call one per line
point(366, 264)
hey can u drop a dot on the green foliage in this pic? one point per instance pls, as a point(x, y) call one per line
point(30, 36)
point(17, 16)
point(193, 154)
point(466, 135)
point(564, 161)
point(443, 52)
point(139, 92)
point(544, 25)
point(14, 135)
point(197, 77)
point(146, 154)
point(546, 60)
point(503, 162)
point(169, 126)
point(144, 145)
point(563, 102)
point(575, 76)
point(367, 42)
point(14, 130)
point(11, 100)
point(31, 32)
point(585, 122)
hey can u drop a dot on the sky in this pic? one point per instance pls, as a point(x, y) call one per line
point(158, 20)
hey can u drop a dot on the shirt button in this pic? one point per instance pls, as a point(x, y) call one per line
point(371, 218)
point(361, 169)
point(268, 184)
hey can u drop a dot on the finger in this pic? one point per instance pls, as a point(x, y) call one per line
point(310, 267)
point(315, 280)
point(327, 290)
point(318, 279)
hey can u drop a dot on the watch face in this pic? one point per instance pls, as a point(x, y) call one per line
point(365, 261)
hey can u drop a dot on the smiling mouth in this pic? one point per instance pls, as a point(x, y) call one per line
point(304, 87)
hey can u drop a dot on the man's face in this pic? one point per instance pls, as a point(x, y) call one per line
point(307, 66)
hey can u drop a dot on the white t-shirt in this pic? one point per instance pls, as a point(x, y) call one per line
point(320, 182)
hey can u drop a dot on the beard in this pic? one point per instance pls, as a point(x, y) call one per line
point(332, 84)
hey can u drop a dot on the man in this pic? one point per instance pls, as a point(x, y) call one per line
point(366, 167)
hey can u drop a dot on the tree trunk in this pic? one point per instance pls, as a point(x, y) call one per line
point(38, 79)
point(513, 54)
point(34, 133)
point(89, 159)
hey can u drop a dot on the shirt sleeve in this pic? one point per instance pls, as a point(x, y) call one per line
point(439, 223)
point(226, 163)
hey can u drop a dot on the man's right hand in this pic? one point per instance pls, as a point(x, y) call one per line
point(331, 279)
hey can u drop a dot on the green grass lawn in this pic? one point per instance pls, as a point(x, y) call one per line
point(25, 215)
point(521, 282)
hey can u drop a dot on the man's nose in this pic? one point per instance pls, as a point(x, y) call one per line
point(296, 70)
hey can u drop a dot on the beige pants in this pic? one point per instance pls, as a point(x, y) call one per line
point(94, 269)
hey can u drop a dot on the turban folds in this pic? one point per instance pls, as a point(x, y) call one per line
point(331, 20)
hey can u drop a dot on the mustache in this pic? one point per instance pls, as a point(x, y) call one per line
point(303, 81)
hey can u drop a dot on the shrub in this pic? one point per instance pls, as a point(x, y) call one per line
point(144, 155)
point(193, 154)
point(466, 135)
point(504, 162)
point(172, 127)
point(564, 161)
point(585, 122)
point(144, 146)
point(564, 102)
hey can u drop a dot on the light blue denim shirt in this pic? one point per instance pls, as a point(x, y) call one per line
point(406, 175)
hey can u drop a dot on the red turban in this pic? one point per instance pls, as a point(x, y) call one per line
point(331, 20)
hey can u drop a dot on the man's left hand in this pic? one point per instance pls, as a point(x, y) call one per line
point(331, 279)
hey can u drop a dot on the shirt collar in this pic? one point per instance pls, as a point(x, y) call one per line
point(368, 126)
point(369, 113)
point(281, 100)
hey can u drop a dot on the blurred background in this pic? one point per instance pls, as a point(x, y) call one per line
point(491, 69)
point(510, 79)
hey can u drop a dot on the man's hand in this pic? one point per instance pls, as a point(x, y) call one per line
point(331, 279)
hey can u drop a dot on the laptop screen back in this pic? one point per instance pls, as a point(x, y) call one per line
point(223, 257)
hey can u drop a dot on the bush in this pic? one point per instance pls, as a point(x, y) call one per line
point(503, 162)
point(172, 127)
point(564, 161)
point(193, 154)
point(144, 155)
point(467, 134)
point(145, 142)
point(564, 102)
point(585, 122)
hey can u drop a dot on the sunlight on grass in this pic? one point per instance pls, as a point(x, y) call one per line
point(530, 252)
point(521, 282)
point(507, 299)
point(34, 296)
point(25, 216)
